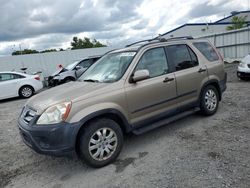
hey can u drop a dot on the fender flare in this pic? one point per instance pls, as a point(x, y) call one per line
point(213, 82)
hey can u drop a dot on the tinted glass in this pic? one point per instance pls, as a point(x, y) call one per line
point(17, 76)
point(154, 61)
point(109, 68)
point(5, 77)
point(181, 56)
point(193, 57)
point(207, 50)
point(85, 63)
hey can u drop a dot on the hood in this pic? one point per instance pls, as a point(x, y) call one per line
point(58, 71)
point(71, 91)
point(246, 59)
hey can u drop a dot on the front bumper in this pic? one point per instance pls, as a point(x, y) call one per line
point(52, 81)
point(56, 140)
point(243, 72)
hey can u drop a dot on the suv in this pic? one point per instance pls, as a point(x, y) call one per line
point(72, 71)
point(135, 89)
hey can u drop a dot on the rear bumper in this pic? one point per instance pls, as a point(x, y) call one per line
point(38, 86)
point(56, 140)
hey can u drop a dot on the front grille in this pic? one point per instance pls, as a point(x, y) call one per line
point(248, 66)
point(28, 114)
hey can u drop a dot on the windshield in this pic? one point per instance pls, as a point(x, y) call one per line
point(109, 68)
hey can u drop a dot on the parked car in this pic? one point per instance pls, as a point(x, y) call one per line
point(15, 84)
point(243, 71)
point(133, 89)
point(72, 71)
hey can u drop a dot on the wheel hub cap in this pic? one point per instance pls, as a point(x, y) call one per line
point(26, 92)
point(102, 144)
point(210, 100)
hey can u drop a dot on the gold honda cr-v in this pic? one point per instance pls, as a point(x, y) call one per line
point(134, 89)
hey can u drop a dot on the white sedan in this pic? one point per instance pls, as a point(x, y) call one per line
point(13, 84)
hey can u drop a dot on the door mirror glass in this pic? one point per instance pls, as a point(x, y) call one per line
point(140, 75)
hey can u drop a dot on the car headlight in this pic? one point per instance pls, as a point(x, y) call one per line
point(242, 65)
point(55, 114)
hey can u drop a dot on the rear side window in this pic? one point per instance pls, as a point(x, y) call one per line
point(181, 56)
point(8, 76)
point(18, 76)
point(207, 50)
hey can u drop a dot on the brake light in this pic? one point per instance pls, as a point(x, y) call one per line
point(37, 78)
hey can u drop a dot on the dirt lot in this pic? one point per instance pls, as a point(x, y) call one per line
point(193, 152)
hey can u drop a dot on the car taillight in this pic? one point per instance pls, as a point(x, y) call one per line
point(37, 78)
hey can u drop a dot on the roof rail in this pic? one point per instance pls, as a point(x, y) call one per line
point(141, 41)
point(178, 38)
point(160, 39)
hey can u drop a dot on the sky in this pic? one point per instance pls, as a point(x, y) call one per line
point(46, 24)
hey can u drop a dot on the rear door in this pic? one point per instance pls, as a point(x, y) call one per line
point(190, 74)
point(9, 85)
point(214, 63)
point(155, 95)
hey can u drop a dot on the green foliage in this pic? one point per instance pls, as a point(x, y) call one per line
point(49, 50)
point(79, 43)
point(238, 22)
point(29, 51)
point(25, 51)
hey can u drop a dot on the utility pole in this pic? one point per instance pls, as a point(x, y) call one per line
point(21, 53)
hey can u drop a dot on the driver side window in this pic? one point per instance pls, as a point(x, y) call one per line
point(154, 60)
point(85, 63)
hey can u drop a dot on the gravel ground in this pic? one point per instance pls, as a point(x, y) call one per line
point(193, 152)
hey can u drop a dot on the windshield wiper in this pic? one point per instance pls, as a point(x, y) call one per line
point(91, 80)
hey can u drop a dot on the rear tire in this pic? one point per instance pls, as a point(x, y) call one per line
point(209, 101)
point(26, 91)
point(100, 142)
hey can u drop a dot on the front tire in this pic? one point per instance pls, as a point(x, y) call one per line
point(68, 79)
point(100, 142)
point(209, 100)
point(26, 91)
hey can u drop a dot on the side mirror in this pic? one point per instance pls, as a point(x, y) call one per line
point(140, 75)
point(78, 67)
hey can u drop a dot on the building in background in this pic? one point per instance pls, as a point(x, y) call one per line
point(233, 44)
point(201, 29)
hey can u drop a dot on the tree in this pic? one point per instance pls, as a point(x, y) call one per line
point(49, 50)
point(238, 22)
point(25, 51)
point(79, 43)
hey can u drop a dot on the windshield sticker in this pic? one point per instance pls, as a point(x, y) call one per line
point(128, 53)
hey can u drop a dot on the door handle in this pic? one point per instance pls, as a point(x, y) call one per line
point(168, 79)
point(202, 70)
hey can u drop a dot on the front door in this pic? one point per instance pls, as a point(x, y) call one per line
point(8, 85)
point(155, 95)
